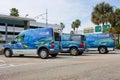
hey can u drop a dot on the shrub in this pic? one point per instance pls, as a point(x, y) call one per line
point(0, 52)
point(118, 46)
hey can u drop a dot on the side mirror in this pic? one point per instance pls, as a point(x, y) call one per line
point(13, 42)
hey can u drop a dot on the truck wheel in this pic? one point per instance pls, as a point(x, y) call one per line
point(74, 51)
point(103, 50)
point(43, 53)
point(80, 52)
point(54, 55)
point(8, 53)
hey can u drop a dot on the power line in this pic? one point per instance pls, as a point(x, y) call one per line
point(41, 15)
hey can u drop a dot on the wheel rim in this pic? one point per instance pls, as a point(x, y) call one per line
point(73, 51)
point(102, 50)
point(43, 54)
point(7, 52)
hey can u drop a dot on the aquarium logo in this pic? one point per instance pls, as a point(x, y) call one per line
point(44, 33)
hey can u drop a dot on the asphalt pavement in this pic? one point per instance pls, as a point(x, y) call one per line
point(89, 66)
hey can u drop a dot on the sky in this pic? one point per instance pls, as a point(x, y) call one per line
point(65, 11)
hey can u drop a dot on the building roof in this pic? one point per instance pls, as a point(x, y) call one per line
point(15, 18)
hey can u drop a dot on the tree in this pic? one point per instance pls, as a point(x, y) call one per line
point(111, 30)
point(0, 35)
point(75, 24)
point(100, 14)
point(62, 25)
point(117, 22)
point(114, 20)
point(14, 12)
point(117, 13)
point(71, 32)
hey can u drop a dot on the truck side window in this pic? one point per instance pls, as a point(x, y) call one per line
point(75, 38)
point(66, 37)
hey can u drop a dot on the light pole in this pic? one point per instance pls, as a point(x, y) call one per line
point(46, 18)
point(41, 15)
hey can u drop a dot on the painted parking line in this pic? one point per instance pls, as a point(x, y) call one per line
point(14, 65)
point(3, 65)
point(2, 61)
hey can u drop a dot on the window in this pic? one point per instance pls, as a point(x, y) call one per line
point(65, 37)
point(19, 38)
point(76, 38)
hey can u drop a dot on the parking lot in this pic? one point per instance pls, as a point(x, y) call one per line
point(89, 66)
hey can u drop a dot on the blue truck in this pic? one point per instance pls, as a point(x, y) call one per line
point(73, 44)
point(102, 42)
point(40, 41)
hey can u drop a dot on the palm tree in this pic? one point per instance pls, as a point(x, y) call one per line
point(117, 12)
point(100, 14)
point(14, 12)
point(71, 32)
point(62, 25)
point(117, 22)
point(0, 35)
point(95, 19)
point(73, 26)
point(114, 20)
point(77, 23)
point(111, 30)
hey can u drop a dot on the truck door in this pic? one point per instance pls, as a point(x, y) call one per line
point(57, 42)
point(65, 40)
point(17, 44)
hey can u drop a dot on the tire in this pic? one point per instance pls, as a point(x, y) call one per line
point(103, 50)
point(80, 53)
point(8, 53)
point(43, 53)
point(74, 51)
point(54, 55)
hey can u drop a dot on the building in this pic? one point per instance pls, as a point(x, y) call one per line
point(11, 26)
point(80, 31)
point(88, 30)
point(85, 30)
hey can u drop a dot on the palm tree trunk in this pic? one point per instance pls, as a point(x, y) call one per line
point(74, 30)
point(118, 38)
point(103, 27)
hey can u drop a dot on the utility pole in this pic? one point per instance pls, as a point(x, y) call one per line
point(46, 18)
